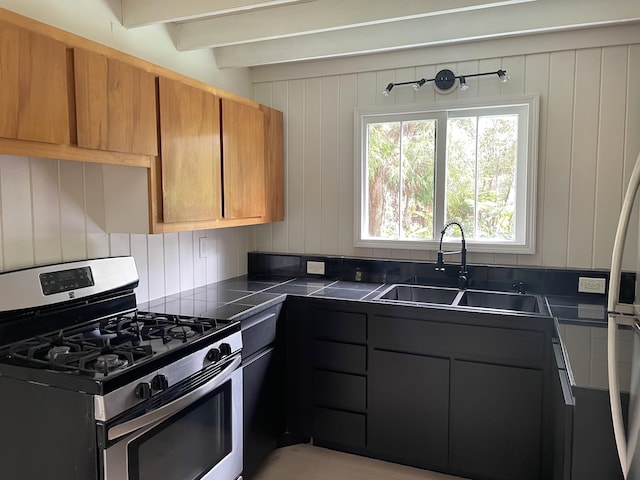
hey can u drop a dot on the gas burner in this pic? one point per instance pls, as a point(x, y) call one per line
point(110, 362)
point(78, 354)
point(182, 332)
point(57, 351)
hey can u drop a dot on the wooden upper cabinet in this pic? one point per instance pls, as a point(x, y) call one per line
point(243, 157)
point(115, 105)
point(274, 164)
point(190, 153)
point(34, 98)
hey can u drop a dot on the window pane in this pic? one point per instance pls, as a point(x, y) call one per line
point(481, 175)
point(383, 169)
point(461, 173)
point(418, 160)
point(497, 148)
point(400, 179)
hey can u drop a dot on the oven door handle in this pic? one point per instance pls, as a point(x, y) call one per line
point(171, 408)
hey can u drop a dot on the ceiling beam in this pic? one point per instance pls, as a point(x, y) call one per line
point(542, 16)
point(314, 17)
point(137, 13)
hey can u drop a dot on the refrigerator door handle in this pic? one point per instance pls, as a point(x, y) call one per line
point(614, 290)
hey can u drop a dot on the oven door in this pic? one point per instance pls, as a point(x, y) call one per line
point(197, 436)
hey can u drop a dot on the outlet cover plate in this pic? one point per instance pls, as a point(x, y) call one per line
point(591, 285)
point(315, 268)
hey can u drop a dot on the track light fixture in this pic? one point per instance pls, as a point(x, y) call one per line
point(445, 81)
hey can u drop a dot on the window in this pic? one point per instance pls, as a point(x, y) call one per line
point(473, 162)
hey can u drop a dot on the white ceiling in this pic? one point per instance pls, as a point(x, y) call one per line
point(247, 33)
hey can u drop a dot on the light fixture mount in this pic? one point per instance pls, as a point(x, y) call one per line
point(445, 81)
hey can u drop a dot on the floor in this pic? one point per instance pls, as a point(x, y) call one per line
point(306, 462)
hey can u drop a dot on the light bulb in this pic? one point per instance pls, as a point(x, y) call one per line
point(418, 84)
point(463, 84)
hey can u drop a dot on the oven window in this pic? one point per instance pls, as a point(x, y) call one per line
point(187, 445)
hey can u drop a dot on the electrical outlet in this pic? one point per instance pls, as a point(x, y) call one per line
point(315, 268)
point(591, 285)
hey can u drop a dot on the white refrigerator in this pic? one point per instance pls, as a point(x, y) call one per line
point(626, 435)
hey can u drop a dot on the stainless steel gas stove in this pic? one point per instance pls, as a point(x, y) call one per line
point(91, 388)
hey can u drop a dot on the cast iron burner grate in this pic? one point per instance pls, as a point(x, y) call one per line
point(78, 353)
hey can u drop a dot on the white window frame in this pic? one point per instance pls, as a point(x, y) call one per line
point(527, 163)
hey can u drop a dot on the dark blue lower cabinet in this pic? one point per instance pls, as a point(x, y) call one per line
point(409, 408)
point(339, 428)
point(468, 396)
point(594, 451)
point(496, 421)
point(339, 380)
point(262, 409)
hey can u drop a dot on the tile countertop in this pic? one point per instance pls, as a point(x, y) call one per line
point(582, 326)
point(582, 322)
point(241, 297)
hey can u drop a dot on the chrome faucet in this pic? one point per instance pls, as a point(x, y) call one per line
point(463, 275)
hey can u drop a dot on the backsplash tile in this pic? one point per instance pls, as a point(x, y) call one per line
point(539, 280)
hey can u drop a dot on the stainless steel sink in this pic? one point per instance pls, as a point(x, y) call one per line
point(420, 294)
point(500, 300)
point(485, 299)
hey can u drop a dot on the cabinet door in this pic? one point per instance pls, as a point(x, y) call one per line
point(274, 152)
point(263, 409)
point(190, 153)
point(34, 99)
point(496, 421)
point(409, 408)
point(115, 105)
point(243, 160)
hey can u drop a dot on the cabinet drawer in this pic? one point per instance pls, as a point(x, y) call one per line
point(341, 357)
point(340, 326)
point(259, 331)
point(515, 347)
point(491, 344)
point(340, 390)
point(339, 427)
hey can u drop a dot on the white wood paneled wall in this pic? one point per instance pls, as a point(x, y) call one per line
point(52, 211)
point(589, 139)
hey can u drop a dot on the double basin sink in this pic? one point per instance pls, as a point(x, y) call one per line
point(484, 299)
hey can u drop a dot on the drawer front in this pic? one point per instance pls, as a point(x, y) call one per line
point(483, 343)
point(340, 326)
point(259, 331)
point(340, 390)
point(334, 426)
point(341, 357)
point(511, 347)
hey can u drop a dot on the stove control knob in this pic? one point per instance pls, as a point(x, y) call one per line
point(143, 391)
point(159, 383)
point(214, 355)
point(225, 349)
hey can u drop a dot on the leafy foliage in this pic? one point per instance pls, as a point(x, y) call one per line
point(480, 177)
point(400, 162)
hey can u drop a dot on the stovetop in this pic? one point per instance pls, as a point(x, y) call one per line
point(106, 354)
point(110, 345)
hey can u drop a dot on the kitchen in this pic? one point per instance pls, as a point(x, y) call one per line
point(52, 212)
